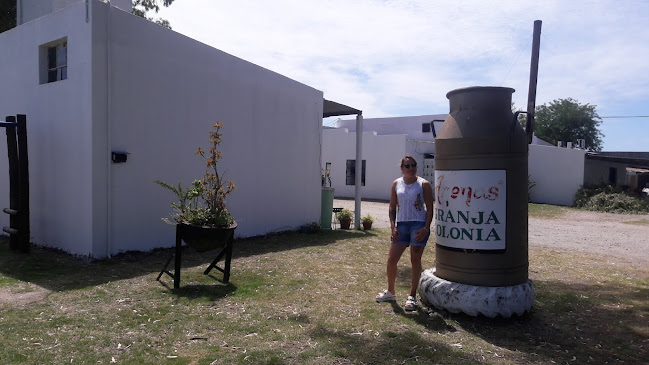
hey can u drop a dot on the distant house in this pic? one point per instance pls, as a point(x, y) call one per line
point(556, 172)
point(94, 79)
point(629, 170)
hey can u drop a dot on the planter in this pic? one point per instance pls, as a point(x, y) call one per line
point(367, 226)
point(345, 223)
point(204, 239)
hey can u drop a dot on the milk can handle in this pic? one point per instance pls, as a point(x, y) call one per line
point(516, 118)
point(432, 126)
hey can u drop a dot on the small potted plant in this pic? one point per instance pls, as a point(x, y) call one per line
point(367, 222)
point(345, 218)
point(200, 208)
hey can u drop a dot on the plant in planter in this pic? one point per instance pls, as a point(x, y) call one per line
point(200, 208)
point(367, 222)
point(345, 218)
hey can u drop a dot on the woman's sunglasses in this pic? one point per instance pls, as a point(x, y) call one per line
point(414, 164)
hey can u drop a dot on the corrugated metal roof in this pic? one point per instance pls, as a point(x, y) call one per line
point(636, 170)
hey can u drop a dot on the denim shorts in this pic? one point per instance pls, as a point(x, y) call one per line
point(407, 233)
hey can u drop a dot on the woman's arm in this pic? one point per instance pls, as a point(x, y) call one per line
point(392, 211)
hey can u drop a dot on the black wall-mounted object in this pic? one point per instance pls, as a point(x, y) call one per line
point(19, 231)
point(119, 157)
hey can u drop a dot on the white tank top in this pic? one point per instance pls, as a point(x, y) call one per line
point(410, 201)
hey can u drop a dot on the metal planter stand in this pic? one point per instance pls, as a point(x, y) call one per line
point(202, 239)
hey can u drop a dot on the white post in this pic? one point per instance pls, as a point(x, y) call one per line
point(359, 170)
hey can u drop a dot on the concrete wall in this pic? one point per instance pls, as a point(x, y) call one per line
point(165, 93)
point(557, 172)
point(596, 172)
point(382, 155)
point(59, 128)
point(136, 87)
point(410, 126)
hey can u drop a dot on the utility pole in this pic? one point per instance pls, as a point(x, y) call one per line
point(534, 72)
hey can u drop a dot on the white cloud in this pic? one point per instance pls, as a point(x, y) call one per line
point(394, 56)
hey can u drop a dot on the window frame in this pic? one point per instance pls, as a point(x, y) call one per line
point(350, 172)
point(53, 61)
point(57, 62)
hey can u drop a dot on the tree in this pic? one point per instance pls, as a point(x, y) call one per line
point(7, 15)
point(566, 120)
point(141, 7)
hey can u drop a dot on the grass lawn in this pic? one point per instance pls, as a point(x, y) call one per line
point(545, 210)
point(298, 298)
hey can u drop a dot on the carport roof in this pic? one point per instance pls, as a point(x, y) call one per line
point(333, 109)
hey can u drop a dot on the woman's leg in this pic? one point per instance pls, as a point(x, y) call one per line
point(394, 254)
point(415, 259)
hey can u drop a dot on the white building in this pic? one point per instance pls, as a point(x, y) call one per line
point(385, 142)
point(120, 83)
point(556, 172)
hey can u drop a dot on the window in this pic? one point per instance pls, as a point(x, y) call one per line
point(425, 127)
point(57, 62)
point(53, 61)
point(351, 173)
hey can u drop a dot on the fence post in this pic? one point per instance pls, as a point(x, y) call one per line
point(23, 172)
point(14, 189)
point(19, 232)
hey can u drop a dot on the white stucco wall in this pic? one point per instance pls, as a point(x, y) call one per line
point(28, 10)
point(418, 149)
point(59, 128)
point(166, 92)
point(409, 125)
point(558, 173)
point(136, 87)
point(382, 155)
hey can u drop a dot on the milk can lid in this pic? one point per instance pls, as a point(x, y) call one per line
point(480, 89)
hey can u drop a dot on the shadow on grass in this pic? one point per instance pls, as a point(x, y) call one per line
point(574, 323)
point(426, 318)
point(204, 291)
point(58, 271)
point(386, 347)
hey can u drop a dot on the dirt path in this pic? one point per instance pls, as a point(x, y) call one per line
point(621, 235)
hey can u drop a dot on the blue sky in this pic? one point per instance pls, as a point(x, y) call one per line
point(398, 58)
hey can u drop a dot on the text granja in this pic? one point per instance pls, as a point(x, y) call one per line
point(463, 232)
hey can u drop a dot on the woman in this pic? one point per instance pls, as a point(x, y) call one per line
point(410, 224)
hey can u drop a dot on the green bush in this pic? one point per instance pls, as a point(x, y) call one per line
point(610, 199)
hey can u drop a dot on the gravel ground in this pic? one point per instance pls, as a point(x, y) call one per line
point(594, 232)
